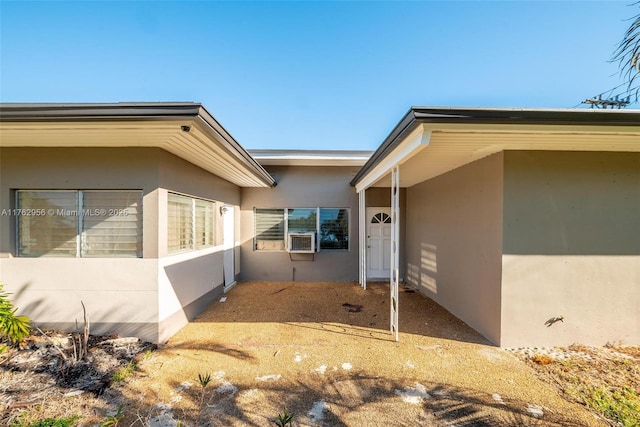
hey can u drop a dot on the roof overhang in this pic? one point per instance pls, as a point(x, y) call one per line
point(184, 129)
point(311, 157)
point(431, 141)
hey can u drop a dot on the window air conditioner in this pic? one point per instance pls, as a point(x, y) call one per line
point(302, 243)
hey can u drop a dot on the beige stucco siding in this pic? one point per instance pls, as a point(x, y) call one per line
point(79, 168)
point(120, 293)
point(571, 248)
point(195, 277)
point(152, 296)
point(454, 242)
point(301, 187)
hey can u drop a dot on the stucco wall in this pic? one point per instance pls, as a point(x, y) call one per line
point(120, 293)
point(189, 282)
point(571, 248)
point(301, 187)
point(74, 169)
point(150, 297)
point(454, 242)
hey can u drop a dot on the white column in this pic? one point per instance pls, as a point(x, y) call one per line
point(395, 241)
point(362, 230)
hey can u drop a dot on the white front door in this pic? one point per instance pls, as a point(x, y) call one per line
point(378, 243)
point(228, 244)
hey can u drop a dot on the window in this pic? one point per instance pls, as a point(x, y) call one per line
point(269, 229)
point(301, 220)
point(191, 223)
point(381, 218)
point(205, 233)
point(100, 223)
point(334, 229)
point(331, 226)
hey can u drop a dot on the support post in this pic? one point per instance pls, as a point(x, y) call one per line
point(362, 228)
point(395, 241)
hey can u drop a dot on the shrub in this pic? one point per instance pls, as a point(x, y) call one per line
point(13, 327)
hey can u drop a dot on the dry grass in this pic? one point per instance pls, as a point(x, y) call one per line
point(607, 380)
point(542, 359)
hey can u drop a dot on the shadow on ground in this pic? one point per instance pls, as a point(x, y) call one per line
point(335, 400)
point(328, 305)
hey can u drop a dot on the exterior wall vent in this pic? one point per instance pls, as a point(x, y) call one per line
point(301, 243)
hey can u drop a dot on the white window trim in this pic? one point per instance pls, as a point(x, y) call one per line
point(317, 230)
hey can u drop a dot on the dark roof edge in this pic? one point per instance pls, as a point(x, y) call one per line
point(132, 111)
point(237, 149)
point(104, 111)
point(590, 117)
point(508, 116)
point(405, 125)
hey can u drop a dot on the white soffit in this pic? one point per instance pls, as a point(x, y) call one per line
point(413, 144)
point(450, 147)
point(195, 146)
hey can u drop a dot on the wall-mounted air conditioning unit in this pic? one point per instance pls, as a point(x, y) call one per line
point(301, 243)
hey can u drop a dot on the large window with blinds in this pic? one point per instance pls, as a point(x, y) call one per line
point(331, 226)
point(79, 223)
point(191, 223)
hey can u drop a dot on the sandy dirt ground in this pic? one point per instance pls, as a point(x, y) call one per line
point(323, 351)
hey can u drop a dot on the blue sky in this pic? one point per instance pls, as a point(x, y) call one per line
point(311, 75)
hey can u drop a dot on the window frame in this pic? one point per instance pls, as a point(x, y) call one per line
point(286, 227)
point(193, 240)
point(284, 232)
point(79, 209)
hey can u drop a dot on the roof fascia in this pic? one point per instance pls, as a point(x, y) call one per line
point(231, 145)
point(147, 111)
point(79, 111)
point(502, 118)
point(415, 142)
point(404, 127)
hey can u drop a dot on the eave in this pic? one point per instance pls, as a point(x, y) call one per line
point(184, 129)
point(451, 138)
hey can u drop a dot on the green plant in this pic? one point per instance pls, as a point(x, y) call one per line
point(113, 420)
point(622, 406)
point(14, 327)
point(125, 372)
point(51, 422)
point(284, 419)
point(204, 381)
